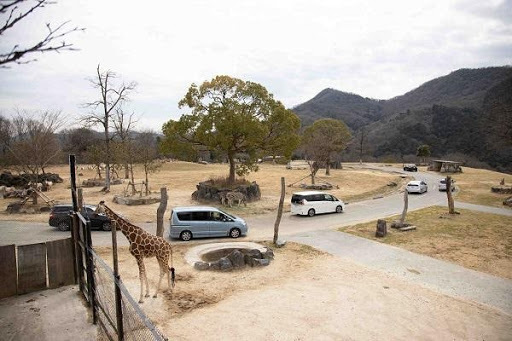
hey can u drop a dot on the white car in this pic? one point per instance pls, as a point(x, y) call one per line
point(442, 185)
point(417, 187)
point(315, 202)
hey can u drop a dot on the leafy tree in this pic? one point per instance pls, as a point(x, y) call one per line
point(16, 11)
point(322, 140)
point(423, 151)
point(234, 117)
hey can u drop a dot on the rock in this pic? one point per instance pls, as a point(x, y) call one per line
point(281, 243)
point(215, 265)
point(268, 254)
point(392, 184)
point(254, 253)
point(133, 201)
point(206, 191)
point(502, 189)
point(201, 266)
point(261, 262)
point(237, 259)
point(407, 228)
point(225, 264)
point(508, 202)
point(382, 228)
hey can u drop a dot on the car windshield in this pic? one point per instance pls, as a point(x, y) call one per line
point(229, 215)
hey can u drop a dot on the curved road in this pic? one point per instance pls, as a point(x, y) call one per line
point(444, 277)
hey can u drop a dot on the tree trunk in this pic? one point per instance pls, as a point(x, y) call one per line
point(328, 167)
point(406, 205)
point(107, 170)
point(279, 212)
point(451, 205)
point(126, 170)
point(160, 212)
point(147, 180)
point(231, 160)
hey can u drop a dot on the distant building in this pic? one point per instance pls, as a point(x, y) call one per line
point(445, 166)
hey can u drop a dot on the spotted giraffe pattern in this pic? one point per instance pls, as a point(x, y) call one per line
point(143, 245)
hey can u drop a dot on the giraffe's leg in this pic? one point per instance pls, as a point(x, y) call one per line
point(162, 273)
point(147, 284)
point(142, 275)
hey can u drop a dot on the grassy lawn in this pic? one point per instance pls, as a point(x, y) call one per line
point(475, 186)
point(181, 179)
point(475, 240)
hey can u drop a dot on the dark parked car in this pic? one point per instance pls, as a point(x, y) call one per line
point(410, 168)
point(59, 218)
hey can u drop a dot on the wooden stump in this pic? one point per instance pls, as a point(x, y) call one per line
point(382, 228)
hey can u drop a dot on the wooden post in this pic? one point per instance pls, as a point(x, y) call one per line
point(279, 212)
point(406, 205)
point(117, 290)
point(72, 171)
point(382, 228)
point(451, 205)
point(160, 212)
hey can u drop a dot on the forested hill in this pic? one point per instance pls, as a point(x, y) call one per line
point(464, 88)
point(464, 115)
point(354, 110)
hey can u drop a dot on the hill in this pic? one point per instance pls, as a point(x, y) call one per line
point(354, 110)
point(460, 115)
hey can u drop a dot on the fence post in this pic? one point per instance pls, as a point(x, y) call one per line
point(119, 308)
point(91, 287)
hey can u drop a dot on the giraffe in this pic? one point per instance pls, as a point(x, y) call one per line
point(143, 245)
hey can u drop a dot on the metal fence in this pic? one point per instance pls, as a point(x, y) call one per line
point(113, 308)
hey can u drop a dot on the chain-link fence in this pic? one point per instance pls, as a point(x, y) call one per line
point(135, 324)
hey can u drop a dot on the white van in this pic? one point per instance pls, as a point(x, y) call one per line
point(315, 202)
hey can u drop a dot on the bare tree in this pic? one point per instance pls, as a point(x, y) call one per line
point(147, 152)
point(33, 142)
point(14, 12)
point(124, 124)
point(111, 97)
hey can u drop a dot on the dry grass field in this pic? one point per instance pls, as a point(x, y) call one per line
point(181, 178)
point(475, 186)
point(475, 240)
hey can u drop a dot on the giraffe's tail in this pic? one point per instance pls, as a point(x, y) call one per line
point(173, 276)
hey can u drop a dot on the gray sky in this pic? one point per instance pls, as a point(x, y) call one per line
point(377, 49)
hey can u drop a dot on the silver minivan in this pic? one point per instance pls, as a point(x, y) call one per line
point(204, 221)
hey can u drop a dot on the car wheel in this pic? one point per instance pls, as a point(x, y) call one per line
point(186, 236)
point(106, 226)
point(339, 209)
point(234, 233)
point(63, 226)
point(311, 212)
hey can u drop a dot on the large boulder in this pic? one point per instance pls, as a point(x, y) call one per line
point(133, 201)
point(207, 191)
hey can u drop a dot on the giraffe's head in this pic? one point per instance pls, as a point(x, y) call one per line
point(101, 207)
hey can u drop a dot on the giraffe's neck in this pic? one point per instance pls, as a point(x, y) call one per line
point(130, 231)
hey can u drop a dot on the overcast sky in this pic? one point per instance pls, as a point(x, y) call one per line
point(377, 49)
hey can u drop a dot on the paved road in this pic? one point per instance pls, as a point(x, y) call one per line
point(444, 277)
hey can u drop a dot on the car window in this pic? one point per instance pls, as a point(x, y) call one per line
point(296, 199)
point(185, 216)
point(328, 197)
point(201, 216)
point(216, 216)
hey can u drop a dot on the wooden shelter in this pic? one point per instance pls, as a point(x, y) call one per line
point(445, 166)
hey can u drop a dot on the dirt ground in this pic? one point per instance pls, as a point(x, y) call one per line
point(181, 179)
point(475, 240)
point(305, 294)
